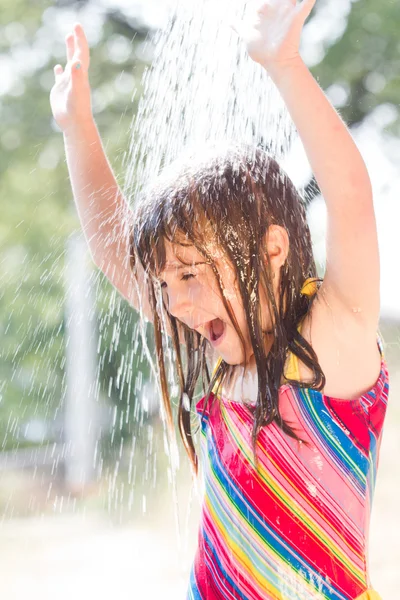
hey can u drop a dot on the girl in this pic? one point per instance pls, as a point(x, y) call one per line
point(221, 254)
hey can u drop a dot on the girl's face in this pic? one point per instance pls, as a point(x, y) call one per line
point(192, 295)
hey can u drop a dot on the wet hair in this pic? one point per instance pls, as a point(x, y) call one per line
point(230, 197)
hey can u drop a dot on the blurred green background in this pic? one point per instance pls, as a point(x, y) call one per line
point(353, 49)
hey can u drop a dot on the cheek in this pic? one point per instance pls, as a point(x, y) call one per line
point(210, 292)
point(240, 316)
point(214, 298)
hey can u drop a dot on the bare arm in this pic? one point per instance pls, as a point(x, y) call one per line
point(352, 273)
point(105, 216)
point(342, 325)
point(344, 322)
point(352, 268)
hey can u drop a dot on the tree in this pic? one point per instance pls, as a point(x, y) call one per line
point(37, 209)
point(365, 61)
point(38, 213)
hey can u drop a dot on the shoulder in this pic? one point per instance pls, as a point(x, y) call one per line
point(346, 344)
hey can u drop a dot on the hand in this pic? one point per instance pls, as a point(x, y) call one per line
point(70, 96)
point(271, 31)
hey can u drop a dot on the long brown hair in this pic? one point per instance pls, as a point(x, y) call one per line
point(231, 197)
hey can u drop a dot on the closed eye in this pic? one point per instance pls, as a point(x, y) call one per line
point(184, 277)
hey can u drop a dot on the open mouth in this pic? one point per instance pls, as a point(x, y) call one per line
point(216, 329)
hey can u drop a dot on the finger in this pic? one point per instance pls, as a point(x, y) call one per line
point(81, 44)
point(58, 72)
point(70, 43)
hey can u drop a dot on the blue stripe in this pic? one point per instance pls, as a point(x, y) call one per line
point(253, 519)
point(193, 591)
point(214, 560)
point(344, 452)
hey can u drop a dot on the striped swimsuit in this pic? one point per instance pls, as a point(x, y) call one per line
point(298, 528)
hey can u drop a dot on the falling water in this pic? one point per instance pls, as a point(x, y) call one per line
point(201, 89)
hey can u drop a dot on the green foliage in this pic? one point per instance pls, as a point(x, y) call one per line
point(38, 213)
point(366, 60)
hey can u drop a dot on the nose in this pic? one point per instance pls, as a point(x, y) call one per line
point(178, 303)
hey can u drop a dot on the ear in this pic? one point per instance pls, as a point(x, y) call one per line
point(277, 246)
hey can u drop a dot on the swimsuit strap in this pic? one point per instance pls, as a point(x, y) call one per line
point(291, 369)
point(369, 595)
point(215, 388)
point(310, 287)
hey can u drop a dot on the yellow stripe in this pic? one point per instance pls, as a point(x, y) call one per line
point(292, 507)
point(258, 579)
point(292, 371)
point(241, 557)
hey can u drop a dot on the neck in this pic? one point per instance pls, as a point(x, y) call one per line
point(243, 384)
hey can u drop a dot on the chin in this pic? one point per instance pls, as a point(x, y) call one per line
point(231, 361)
point(232, 358)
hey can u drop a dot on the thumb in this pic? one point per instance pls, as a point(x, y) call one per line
point(58, 71)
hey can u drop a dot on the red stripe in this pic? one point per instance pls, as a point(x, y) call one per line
point(270, 508)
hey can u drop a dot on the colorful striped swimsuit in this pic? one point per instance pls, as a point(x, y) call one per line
point(298, 528)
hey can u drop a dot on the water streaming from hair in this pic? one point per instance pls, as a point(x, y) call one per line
point(202, 89)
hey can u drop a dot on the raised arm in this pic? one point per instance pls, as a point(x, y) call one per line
point(105, 215)
point(352, 256)
point(352, 267)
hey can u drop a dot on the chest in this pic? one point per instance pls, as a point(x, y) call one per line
point(288, 468)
